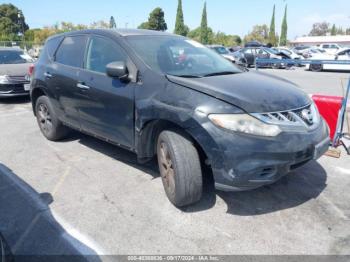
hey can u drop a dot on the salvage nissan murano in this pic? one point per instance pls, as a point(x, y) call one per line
point(166, 96)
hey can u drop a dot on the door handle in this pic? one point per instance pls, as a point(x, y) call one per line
point(48, 75)
point(82, 86)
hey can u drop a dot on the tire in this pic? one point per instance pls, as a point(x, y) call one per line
point(180, 168)
point(50, 126)
point(316, 67)
point(5, 252)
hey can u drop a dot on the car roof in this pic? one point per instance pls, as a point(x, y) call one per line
point(117, 32)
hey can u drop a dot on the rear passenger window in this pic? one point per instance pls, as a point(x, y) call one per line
point(101, 52)
point(71, 51)
point(248, 51)
point(51, 46)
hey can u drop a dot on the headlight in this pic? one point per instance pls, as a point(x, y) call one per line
point(315, 114)
point(244, 123)
point(3, 79)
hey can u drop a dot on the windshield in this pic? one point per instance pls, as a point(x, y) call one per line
point(286, 51)
point(180, 56)
point(272, 51)
point(14, 57)
point(221, 50)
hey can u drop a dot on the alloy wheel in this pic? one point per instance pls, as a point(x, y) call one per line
point(44, 117)
point(166, 166)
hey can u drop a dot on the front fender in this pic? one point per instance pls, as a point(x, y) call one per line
point(179, 107)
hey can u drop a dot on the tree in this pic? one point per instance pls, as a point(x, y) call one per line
point(144, 25)
point(156, 21)
point(67, 26)
point(112, 23)
point(226, 40)
point(340, 31)
point(259, 33)
point(334, 30)
point(41, 35)
point(319, 29)
point(30, 33)
point(284, 29)
point(237, 40)
point(204, 34)
point(180, 27)
point(272, 33)
point(12, 22)
point(99, 25)
point(196, 35)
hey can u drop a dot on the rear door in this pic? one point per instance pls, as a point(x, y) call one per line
point(108, 106)
point(63, 76)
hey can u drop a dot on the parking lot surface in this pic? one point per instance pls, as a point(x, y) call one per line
point(101, 197)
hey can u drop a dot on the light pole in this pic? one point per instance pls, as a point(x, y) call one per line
point(22, 27)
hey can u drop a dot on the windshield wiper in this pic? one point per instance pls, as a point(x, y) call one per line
point(221, 73)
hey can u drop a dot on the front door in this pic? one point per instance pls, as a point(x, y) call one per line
point(108, 108)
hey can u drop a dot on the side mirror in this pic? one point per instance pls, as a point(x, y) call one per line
point(118, 70)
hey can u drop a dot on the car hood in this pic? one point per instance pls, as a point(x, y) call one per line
point(228, 56)
point(254, 92)
point(14, 69)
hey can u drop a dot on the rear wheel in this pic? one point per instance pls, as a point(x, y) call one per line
point(50, 126)
point(180, 168)
point(316, 67)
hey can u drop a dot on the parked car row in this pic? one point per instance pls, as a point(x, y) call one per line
point(340, 55)
point(248, 55)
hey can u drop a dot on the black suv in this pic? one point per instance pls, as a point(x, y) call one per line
point(159, 94)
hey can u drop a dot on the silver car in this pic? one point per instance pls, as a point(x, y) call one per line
point(15, 67)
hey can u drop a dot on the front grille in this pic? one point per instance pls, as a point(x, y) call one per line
point(12, 89)
point(305, 116)
point(17, 79)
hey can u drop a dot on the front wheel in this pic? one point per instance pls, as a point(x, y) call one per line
point(180, 168)
point(316, 67)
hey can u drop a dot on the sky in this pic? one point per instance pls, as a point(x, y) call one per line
point(229, 16)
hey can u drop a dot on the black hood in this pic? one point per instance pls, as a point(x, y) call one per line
point(254, 92)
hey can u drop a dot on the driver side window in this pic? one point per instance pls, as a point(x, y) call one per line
point(101, 52)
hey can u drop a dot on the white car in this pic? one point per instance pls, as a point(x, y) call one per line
point(331, 48)
point(341, 55)
point(223, 51)
point(289, 52)
point(313, 51)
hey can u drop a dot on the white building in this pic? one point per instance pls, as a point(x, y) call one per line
point(317, 40)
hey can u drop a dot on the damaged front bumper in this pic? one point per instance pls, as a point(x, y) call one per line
point(245, 162)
